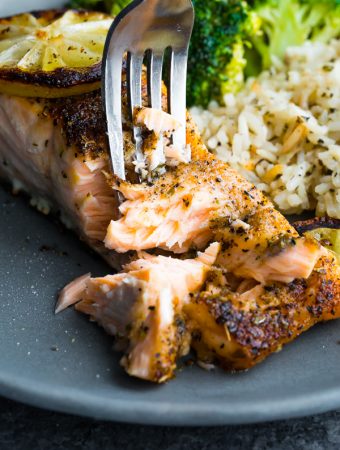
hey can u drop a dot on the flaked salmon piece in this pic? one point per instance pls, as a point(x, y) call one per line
point(258, 251)
point(160, 153)
point(175, 223)
point(56, 150)
point(160, 306)
point(153, 149)
point(205, 201)
point(72, 292)
point(296, 260)
point(174, 155)
point(49, 149)
point(157, 147)
point(238, 330)
point(143, 307)
point(175, 213)
point(156, 120)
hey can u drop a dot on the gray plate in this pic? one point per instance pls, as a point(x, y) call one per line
point(66, 363)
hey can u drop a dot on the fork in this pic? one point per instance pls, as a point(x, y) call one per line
point(146, 27)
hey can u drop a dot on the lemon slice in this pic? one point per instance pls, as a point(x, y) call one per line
point(328, 237)
point(52, 53)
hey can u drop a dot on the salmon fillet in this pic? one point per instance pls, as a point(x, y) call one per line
point(263, 286)
point(204, 201)
point(143, 308)
point(160, 307)
point(239, 329)
point(56, 151)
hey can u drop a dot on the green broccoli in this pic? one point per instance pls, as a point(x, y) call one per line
point(117, 5)
point(216, 58)
point(287, 23)
point(110, 6)
point(98, 5)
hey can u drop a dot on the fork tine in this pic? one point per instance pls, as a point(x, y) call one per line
point(177, 93)
point(112, 82)
point(155, 64)
point(134, 80)
point(154, 71)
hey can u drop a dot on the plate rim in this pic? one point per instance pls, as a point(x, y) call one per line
point(143, 412)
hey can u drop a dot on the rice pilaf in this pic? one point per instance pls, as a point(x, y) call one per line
point(282, 131)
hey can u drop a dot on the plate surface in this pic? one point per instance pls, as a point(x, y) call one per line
point(66, 363)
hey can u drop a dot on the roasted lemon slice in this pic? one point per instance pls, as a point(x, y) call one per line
point(52, 53)
point(326, 230)
point(328, 237)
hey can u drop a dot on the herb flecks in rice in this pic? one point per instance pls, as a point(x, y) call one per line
point(282, 131)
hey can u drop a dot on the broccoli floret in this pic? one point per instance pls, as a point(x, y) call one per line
point(216, 57)
point(111, 6)
point(117, 5)
point(98, 5)
point(286, 23)
point(329, 24)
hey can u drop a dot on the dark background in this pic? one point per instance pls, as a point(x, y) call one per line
point(27, 428)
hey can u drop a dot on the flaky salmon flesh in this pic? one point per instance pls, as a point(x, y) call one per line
point(208, 263)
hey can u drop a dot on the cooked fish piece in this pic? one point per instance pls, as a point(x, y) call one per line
point(159, 307)
point(269, 282)
point(265, 249)
point(238, 329)
point(204, 201)
point(62, 142)
point(156, 120)
point(158, 128)
point(56, 151)
point(142, 308)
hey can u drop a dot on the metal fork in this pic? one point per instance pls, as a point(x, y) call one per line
point(146, 26)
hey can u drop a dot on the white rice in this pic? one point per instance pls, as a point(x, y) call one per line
point(282, 131)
